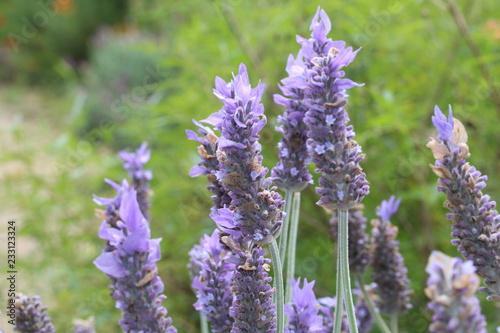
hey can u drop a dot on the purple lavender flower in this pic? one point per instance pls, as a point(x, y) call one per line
point(291, 171)
point(212, 274)
point(112, 205)
point(475, 220)
point(389, 271)
point(209, 164)
point(255, 208)
point(330, 144)
point(254, 216)
point(253, 309)
point(359, 248)
point(130, 262)
point(31, 316)
point(451, 287)
point(303, 310)
point(134, 164)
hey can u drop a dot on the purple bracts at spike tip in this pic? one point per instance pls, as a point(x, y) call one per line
point(130, 262)
point(475, 221)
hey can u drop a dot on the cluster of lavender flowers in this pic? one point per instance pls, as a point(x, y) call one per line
point(475, 220)
point(211, 273)
point(31, 316)
point(315, 121)
point(309, 314)
point(247, 210)
point(451, 287)
point(130, 256)
point(229, 268)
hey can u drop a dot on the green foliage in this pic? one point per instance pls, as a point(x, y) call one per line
point(39, 35)
point(413, 57)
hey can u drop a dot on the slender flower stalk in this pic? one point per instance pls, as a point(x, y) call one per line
point(31, 316)
point(130, 262)
point(359, 248)
point(451, 287)
point(253, 217)
point(211, 273)
point(475, 222)
point(343, 257)
point(134, 164)
point(294, 226)
point(371, 306)
point(389, 271)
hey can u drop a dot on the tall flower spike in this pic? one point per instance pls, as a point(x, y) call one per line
point(303, 310)
point(130, 262)
point(254, 216)
point(31, 316)
point(359, 248)
point(291, 171)
point(209, 164)
point(134, 164)
point(389, 271)
point(212, 273)
point(451, 287)
point(331, 141)
point(475, 221)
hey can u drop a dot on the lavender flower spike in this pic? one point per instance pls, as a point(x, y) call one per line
point(451, 287)
point(254, 216)
point(475, 222)
point(31, 316)
point(359, 248)
point(303, 310)
point(389, 271)
point(212, 273)
point(130, 262)
point(331, 141)
point(134, 164)
point(291, 173)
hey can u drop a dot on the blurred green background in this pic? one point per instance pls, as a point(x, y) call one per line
point(83, 79)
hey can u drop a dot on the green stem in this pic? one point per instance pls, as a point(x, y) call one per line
point(286, 225)
point(278, 276)
point(292, 244)
point(394, 323)
point(203, 323)
point(369, 302)
point(344, 269)
point(337, 319)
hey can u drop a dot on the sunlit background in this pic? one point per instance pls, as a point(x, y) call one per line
point(84, 79)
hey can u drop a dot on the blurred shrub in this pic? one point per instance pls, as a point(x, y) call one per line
point(40, 34)
point(121, 80)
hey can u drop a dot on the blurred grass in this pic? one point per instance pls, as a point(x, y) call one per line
point(413, 57)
